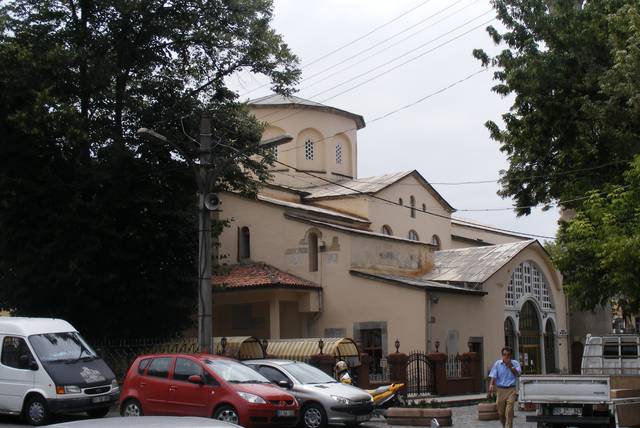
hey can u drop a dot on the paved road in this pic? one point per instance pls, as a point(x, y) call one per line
point(462, 417)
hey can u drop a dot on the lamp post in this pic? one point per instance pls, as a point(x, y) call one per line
point(207, 204)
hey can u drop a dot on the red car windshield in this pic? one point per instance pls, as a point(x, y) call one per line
point(234, 372)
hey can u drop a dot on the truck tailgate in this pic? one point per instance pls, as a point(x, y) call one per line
point(565, 389)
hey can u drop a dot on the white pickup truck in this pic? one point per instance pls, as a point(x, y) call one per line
point(606, 394)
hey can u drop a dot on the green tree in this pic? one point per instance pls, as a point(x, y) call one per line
point(572, 68)
point(98, 227)
point(598, 251)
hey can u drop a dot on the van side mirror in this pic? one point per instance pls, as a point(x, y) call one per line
point(27, 362)
point(33, 365)
point(195, 379)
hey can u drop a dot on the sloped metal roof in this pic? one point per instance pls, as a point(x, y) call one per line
point(355, 186)
point(419, 282)
point(370, 185)
point(276, 99)
point(296, 102)
point(474, 264)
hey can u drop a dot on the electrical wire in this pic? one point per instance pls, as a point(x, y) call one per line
point(357, 39)
point(376, 45)
point(392, 112)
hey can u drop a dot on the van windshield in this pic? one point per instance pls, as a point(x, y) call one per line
point(51, 347)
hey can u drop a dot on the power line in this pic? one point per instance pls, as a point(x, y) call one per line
point(372, 196)
point(392, 112)
point(376, 45)
point(377, 76)
point(357, 39)
point(427, 43)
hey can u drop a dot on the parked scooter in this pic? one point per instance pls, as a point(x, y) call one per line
point(383, 397)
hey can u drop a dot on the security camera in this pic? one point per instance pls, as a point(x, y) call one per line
point(212, 202)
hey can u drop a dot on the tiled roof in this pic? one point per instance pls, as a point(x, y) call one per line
point(255, 275)
point(474, 264)
point(297, 102)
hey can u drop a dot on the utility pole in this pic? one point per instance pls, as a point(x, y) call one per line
point(208, 245)
point(207, 256)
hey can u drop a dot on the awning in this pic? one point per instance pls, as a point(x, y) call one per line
point(341, 348)
point(239, 347)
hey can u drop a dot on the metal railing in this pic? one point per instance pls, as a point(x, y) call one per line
point(453, 366)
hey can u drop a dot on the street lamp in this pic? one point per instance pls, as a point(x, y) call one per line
point(205, 178)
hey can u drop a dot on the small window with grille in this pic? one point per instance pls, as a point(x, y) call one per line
point(338, 154)
point(309, 150)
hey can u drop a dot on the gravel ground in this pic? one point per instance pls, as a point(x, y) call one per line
point(465, 416)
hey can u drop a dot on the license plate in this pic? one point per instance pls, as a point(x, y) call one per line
point(101, 399)
point(567, 411)
point(285, 413)
point(362, 418)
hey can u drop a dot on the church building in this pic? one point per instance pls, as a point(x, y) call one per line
point(323, 252)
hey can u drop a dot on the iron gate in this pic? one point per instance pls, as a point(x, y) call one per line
point(420, 374)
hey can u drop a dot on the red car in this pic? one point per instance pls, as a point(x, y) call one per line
point(205, 385)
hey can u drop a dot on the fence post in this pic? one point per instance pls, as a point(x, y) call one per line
point(474, 370)
point(398, 368)
point(324, 362)
point(439, 361)
point(363, 371)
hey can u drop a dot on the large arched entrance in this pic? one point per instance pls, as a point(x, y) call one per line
point(529, 340)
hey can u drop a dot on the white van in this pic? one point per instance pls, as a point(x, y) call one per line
point(46, 367)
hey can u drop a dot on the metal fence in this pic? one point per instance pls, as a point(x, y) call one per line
point(420, 374)
point(119, 354)
point(383, 374)
point(453, 366)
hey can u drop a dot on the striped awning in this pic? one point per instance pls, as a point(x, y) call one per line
point(239, 347)
point(303, 349)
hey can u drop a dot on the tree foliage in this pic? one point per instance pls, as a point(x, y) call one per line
point(598, 251)
point(97, 225)
point(572, 68)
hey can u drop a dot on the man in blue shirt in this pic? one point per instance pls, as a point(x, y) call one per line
point(504, 375)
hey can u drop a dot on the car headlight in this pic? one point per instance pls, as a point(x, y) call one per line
point(251, 398)
point(114, 384)
point(68, 389)
point(341, 400)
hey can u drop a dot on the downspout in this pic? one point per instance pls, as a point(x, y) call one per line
point(428, 320)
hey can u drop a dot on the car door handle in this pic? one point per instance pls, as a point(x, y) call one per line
point(172, 388)
point(142, 384)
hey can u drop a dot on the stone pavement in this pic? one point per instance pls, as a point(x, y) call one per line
point(464, 416)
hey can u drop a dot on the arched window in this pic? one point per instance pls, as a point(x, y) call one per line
point(400, 202)
point(424, 207)
point(386, 230)
point(338, 154)
point(528, 280)
point(413, 235)
point(309, 150)
point(550, 347)
point(509, 334)
point(244, 243)
point(435, 240)
point(313, 252)
point(412, 201)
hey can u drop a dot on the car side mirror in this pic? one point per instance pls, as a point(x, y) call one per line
point(27, 362)
point(33, 365)
point(195, 379)
point(284, 384)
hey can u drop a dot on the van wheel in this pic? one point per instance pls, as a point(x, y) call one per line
point(131, 407)
point(313, 416)
point(35, 411)
point(98, 413)
point(227, 414)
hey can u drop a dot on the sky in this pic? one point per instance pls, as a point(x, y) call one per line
point(398, 53)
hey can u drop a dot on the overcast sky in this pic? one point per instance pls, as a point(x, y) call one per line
point(443, 137)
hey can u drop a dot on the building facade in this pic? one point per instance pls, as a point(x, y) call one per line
point(322, 252)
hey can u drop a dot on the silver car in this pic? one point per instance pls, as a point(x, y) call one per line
point(322, 399)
